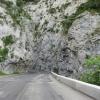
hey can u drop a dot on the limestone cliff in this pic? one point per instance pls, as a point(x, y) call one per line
point(50, 34)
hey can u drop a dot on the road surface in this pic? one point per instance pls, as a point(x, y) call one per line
point(37, 87)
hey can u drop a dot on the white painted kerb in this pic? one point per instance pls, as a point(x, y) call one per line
point(89, 89)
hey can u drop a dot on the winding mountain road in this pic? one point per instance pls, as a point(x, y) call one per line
point(37, 87)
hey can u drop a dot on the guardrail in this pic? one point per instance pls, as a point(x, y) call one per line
point(88, 89)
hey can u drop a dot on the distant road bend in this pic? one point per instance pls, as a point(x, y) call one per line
point(37, 87)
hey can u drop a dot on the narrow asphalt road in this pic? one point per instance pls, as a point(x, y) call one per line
point(37, 87)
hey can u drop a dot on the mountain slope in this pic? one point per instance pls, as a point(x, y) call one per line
point(51, 34)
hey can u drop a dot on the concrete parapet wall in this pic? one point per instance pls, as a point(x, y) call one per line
point(88, 89)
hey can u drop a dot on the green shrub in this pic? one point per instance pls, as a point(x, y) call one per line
point(90, 5)
point(67, 23)
point(3, 54)
point(92, 74)
point(20, 3)
point(8, 40)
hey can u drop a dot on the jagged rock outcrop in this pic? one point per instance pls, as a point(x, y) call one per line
point(53, 34)
point(20, 27)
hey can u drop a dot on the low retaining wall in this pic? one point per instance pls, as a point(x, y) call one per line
point(88, 89)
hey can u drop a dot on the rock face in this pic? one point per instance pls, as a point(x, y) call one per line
point(49, 34)
point(20, 27)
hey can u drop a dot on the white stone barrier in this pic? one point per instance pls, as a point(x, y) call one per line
point(86, 88)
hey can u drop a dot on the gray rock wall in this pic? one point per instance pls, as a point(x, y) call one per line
point(40, 43)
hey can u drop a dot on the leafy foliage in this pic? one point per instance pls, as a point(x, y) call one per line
point(8, 40)
point(92, 74)
point(3, 54)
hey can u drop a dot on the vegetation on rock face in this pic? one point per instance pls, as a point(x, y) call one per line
point(8, 3)
point(90, 5)
point(8, 40)
point(67, 22)
point(92, 74)
point(97, 31)
point(3, 54)
point(34, 1)
point(64, 6)
point(52, 10)
point(17, 11)
point(36, 32)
